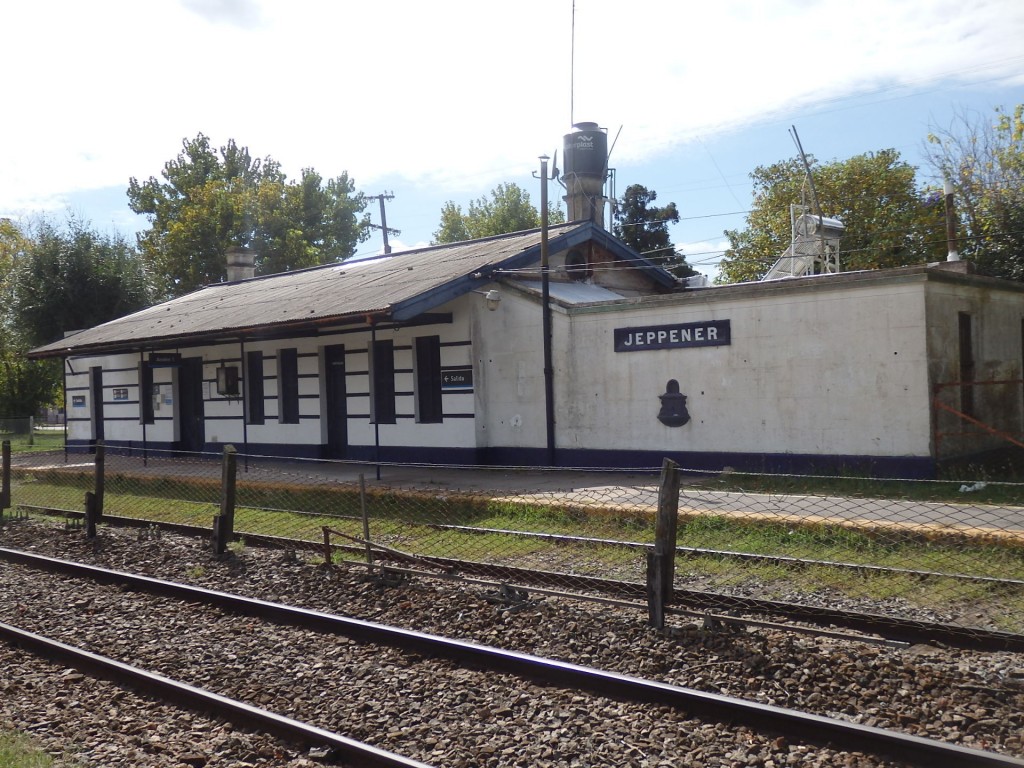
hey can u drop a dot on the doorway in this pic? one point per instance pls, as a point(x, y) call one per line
point(190, 400)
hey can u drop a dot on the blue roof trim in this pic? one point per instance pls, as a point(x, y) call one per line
point(424, 302)
point(587, 231)
point(659, 274)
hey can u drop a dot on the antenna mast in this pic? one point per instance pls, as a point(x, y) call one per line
point(572, 66)
point(814, 194)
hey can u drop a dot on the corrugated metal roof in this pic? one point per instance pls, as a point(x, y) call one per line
point(573, 293)
point(412, 281)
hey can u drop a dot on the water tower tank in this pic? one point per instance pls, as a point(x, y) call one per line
point(586, 151)
point(586, 165)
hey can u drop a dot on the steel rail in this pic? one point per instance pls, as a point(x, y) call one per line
point(890, 627)
point(814, 729)
point(185, 695)
point(637, 606)
point(801, 562)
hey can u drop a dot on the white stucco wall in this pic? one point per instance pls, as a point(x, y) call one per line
point(818, 370)
point(223, 416)
point(996, 312)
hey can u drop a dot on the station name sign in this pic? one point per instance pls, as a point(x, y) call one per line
point(713, 333)
point(164, 359)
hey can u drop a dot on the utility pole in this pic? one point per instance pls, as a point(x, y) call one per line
point(383, 226)
point(549, 369)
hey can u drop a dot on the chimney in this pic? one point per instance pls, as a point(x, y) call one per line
point(241, 263)
point(947, 189)
point(586, 167)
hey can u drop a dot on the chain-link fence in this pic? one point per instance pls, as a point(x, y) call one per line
point(951, 552)
point(19, 432)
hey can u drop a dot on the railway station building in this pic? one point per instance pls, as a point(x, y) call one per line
point(437, 355)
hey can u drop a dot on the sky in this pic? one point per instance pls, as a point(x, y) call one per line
point(445, 100)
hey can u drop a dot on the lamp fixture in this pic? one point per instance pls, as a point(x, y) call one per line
point(491, 297)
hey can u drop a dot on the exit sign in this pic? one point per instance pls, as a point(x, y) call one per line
point(457, 378)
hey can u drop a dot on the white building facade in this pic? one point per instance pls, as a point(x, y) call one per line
point(885, 372)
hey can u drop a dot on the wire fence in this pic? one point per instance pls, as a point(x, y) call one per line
point(19, 432)
point(951, 552)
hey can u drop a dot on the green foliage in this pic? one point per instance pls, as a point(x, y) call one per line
point(888, 222)
point(73, 278)
point(26, 385)
point(54, 280)
point(212, 200)
point(985, 162)
point(644, 228)
point(508, 210)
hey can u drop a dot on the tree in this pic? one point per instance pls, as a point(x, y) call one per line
point(211, 200)
point(72, 279)
point(508, 210)
point(644, 228)
point(985, 162)
point(24, 385)
point(888, 222)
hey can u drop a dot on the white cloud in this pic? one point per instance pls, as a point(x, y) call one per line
point(704, 255)
point(458, 94)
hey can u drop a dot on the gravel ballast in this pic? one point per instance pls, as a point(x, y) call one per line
point(429, 709)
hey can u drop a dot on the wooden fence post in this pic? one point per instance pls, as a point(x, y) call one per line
point(661, 562)
point(224, 523)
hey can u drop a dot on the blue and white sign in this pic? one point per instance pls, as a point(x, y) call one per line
point(457, 378)
point(713, 333)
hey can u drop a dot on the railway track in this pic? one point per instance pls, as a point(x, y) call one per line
point(218, 626)
point(684, 601)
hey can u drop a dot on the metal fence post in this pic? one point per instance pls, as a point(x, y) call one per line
point(100, 470)
point(5, 490)
point(328, 552)
point(366, 523)
point(224, 523)
point(664, 554)
point(90, 515)
point(655, 591)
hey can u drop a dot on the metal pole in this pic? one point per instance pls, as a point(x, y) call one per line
point(5, 491)
point(549, 373)
point(144, 392)
point(101, 451)
point(366, 522)
point(64, 399)
point(373, 394)
point(244, 366)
